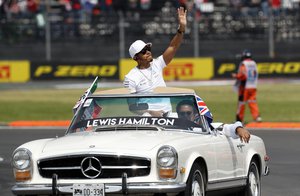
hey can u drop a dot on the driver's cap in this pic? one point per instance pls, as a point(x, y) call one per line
point(137, 47)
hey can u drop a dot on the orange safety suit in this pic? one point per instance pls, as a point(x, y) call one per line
point(247, 77)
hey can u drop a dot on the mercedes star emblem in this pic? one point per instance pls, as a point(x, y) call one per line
point(91, 167)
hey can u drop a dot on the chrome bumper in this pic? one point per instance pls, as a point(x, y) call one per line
point(22, 189)
point(267, 171)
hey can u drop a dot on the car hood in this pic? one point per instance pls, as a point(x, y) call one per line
point(113, 140)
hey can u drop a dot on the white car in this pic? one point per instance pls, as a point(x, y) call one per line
point(115, 146)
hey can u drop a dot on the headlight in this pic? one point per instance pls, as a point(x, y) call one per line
point(166, 156)
point(21, 159)
point(167, 162)
point(21, 162)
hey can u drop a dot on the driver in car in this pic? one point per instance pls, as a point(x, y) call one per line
point(186, 110)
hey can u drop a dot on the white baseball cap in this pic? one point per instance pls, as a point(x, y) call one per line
point(137, 47)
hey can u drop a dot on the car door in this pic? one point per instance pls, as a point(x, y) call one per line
point(228, 152)
point(230, 157)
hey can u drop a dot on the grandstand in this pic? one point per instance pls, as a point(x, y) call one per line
point(95, 30)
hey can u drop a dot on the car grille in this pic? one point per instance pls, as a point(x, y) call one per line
point(71, 167)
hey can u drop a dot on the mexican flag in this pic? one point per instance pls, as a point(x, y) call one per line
point(88, 92)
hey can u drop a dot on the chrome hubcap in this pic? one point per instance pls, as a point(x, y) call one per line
point(197, 188)
point(253, 184)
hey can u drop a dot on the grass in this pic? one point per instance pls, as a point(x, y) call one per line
point(277, 103)
point(37, 104)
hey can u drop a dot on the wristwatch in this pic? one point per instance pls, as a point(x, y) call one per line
point(180, 32)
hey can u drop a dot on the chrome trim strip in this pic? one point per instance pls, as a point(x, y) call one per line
point(228, 183)
point(60, 168)
point(125, 167)
point(103, 167)
point(21, 189)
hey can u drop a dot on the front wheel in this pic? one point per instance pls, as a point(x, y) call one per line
point(196, 184)
point(253, 187)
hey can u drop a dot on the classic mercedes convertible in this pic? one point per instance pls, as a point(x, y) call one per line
point(124, 143)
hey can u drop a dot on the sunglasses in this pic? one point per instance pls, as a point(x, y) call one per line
point(144, 51)
point(187, 113)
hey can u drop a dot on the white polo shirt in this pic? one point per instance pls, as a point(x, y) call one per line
point(145, 80)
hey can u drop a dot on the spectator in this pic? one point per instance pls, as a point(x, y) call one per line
point(265, 7)
point(275, 5)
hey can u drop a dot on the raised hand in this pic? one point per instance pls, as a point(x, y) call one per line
point(182, 18)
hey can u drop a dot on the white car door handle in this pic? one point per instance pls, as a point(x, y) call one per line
point(240, 145)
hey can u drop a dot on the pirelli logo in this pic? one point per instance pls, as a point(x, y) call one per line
point(189, 69)
point(4, 72)
point(14, 71)
point(179, 70)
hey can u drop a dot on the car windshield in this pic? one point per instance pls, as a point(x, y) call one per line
point(166, 112)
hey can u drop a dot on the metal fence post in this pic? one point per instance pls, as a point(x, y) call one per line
point(47, 32)
point(271, 34)
point(121, 35)
point(196, 34)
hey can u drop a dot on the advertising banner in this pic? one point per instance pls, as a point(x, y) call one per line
point(58, 70)
point(14, 71)
point(266, 68)
point(178, 69)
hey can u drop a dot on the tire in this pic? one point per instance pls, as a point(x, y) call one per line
point(253, 186)
point(196, 184)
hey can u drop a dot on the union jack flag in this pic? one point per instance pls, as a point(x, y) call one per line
point(203, 109)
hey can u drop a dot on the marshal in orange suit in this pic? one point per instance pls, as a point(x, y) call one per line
point(247, 77)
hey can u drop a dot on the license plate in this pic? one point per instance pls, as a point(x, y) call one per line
point(88, 189)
